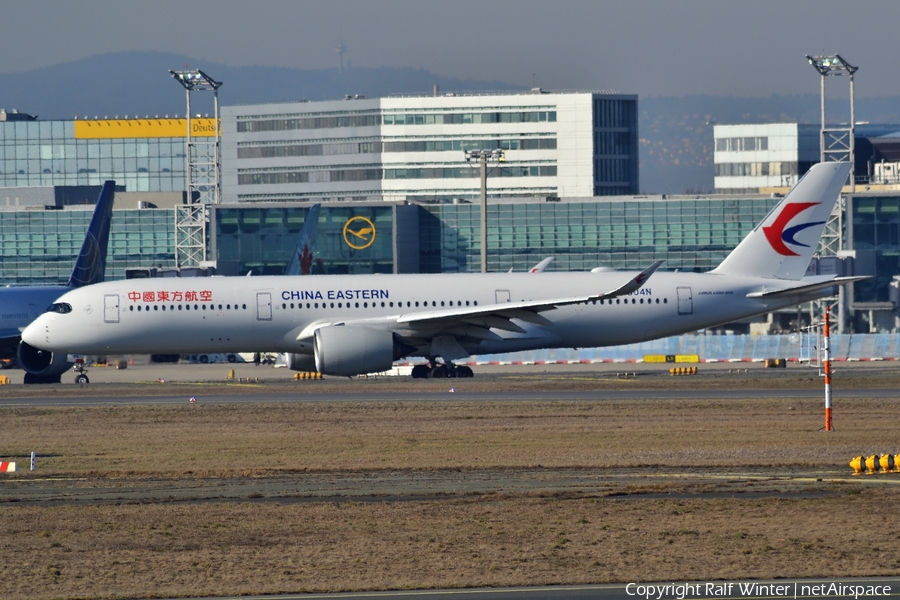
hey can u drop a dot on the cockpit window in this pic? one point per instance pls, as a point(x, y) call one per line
point(62, 308)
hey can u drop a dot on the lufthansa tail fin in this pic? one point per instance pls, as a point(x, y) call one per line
point(782, 245)
point(301, 261)
point(90, 266)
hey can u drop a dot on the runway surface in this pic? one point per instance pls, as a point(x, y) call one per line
point(251, 393)
point(172, 384)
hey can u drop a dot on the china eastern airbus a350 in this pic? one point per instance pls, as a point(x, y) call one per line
point(353, 324)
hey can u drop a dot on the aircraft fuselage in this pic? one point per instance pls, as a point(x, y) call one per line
point(278, 313)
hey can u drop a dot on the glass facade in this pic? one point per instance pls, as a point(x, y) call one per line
point(690, 235)
point(694, 234)
point(260, 239)
point(874, 233)
point(144, 155)
point(40, 247)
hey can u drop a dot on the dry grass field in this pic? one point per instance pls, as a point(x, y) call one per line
point(819, 521)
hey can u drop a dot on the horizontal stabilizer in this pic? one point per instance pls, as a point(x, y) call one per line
point(806, 289)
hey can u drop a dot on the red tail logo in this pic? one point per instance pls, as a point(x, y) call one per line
point(778, 235)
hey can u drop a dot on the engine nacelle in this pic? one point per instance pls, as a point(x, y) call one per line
point(41, 365)
point(349, 350)
point(301, 362)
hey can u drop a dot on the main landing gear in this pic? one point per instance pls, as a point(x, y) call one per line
point(433, 370)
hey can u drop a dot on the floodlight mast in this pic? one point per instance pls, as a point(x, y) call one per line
point(482, 157)
point(838, 143)
point(201, 172)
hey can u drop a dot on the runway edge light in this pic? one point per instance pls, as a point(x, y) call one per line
point(872, 464)
point(857, 465)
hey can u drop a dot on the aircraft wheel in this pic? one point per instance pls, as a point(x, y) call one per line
point(464, 372)
point(82, 379)
point(204, 359)
point(231, 358)
point(420, 372)
point(438, 372)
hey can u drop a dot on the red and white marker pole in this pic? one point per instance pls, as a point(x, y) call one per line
point(827, 362)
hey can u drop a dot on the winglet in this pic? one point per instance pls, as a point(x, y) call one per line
point(541, 266)
point(635, 284)
point(90, 266)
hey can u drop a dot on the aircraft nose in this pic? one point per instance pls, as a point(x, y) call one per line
point(36, 334)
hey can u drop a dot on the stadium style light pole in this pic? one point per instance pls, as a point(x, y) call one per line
point(198, 81)
point(837, 144)
point(836, 66)
point(202, 175)
point(482, 157)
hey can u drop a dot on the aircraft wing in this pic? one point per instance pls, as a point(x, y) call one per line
point(806, 288)
point(477, 321)
point(521, 310)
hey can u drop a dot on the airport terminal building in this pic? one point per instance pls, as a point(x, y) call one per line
point(278, 160)
point(413, 148)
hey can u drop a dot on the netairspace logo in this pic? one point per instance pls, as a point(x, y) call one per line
point(684, 591)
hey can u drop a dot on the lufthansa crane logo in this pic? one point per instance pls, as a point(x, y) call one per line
point(359, 233)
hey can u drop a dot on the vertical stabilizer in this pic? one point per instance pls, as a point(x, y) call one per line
point(301, 261)
point(782, 245)
point(91, 264)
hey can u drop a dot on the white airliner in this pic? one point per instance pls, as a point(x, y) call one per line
point(353, 324)
point(20, 305)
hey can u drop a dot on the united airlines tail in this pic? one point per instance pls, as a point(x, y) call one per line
point(782, 245)
point(91, 263)
point(301, 261)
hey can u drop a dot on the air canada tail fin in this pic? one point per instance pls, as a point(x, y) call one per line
point(782, 245)
point(301, 261)
point(90, 266)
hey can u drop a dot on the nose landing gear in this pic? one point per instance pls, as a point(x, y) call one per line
point(81, 378)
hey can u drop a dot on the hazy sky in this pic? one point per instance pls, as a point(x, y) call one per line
point(646, 47)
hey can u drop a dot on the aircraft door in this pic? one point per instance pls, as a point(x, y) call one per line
point(111, 308)
point(501, 296)
point(685, 301)
point(263, 306)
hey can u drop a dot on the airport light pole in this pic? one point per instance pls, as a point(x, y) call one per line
point(482, 157)
point(202, 175)
point(836, 144)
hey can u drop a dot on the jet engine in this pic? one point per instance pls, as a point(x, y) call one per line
point(349, 350)
point(41, 366)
